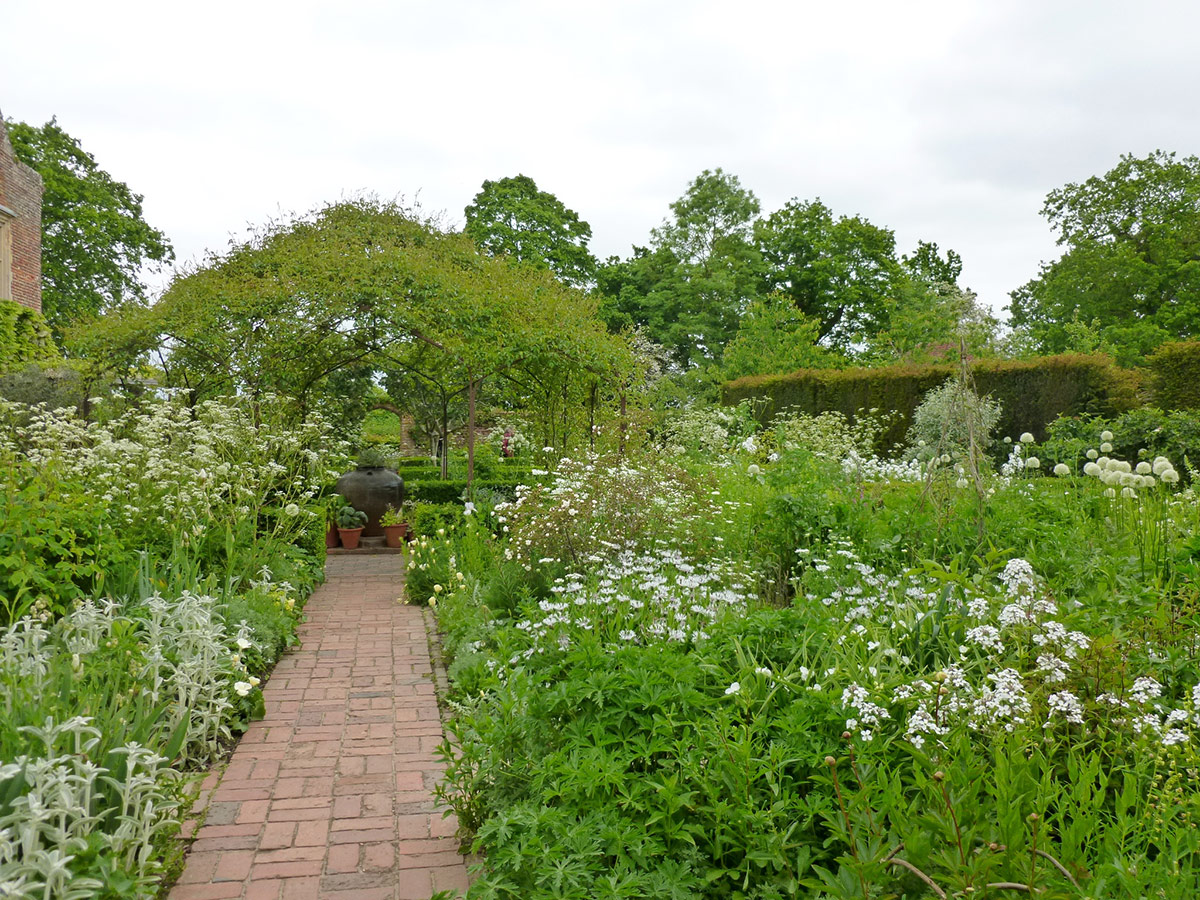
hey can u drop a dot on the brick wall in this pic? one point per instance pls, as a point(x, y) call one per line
point(21, 192)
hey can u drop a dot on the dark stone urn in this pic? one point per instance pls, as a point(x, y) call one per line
point(372, 489)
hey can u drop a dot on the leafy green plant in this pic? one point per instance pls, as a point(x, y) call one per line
point(349, 518)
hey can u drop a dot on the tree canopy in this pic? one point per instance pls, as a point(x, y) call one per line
point(1131, 260)
point(842, 271)
point(689, 289)
point(310, 308)
point(95, 240)
point(512, 217)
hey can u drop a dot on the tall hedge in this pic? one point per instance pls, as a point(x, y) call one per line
point(1031, 393)
point(1175, 375)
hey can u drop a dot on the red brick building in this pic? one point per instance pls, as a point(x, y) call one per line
point(20, 228)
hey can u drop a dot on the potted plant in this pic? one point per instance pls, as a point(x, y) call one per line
point(395, 525)
point(350, 524)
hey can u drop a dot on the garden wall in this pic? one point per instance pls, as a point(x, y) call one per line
point(1032, 393)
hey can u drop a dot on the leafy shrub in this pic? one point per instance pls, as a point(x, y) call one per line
point(1175, 375)
point(428, 518)
point(24, 338)
point(597, 507)
point(948, 417)
point(831, 434)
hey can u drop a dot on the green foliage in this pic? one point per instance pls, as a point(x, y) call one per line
point(453, 490)
point(840, 272)
point(24, 338)
point(512, 218)
point(950, 417)
point(1031, 393)
point(428, 518)
point(774, 336)
point(152, 569)
point(1139, 434)
point(94, 239)
point(1175, 375)
point(1129, 261)
point(854, 727)
point(350, 518)
point(689, 290)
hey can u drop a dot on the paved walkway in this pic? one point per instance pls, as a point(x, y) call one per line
point(331, 795)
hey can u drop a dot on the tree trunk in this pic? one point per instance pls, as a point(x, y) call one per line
point(445, 448)
point(472, 387)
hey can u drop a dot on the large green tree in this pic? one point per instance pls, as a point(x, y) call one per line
point(689, 289)
point(95, 240)
point(1131, 260)
point(511, 217)
point(841, 271)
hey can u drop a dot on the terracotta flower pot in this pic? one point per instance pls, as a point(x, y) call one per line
point(350, 537)
point(331, 536)
point(395, 534)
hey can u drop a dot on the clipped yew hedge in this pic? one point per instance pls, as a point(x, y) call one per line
point(1175, 375)
point(1032, 393)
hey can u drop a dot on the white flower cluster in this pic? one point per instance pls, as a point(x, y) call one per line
point(638, 599)
point(872, 468)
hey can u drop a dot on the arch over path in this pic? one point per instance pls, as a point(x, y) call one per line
point(331, 795)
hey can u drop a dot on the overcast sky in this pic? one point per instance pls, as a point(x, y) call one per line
point(944, 121)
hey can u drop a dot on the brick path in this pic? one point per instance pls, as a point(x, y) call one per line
point(331, 794)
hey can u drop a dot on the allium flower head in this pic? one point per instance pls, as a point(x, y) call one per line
point(1026, 438)
point(1092, 454)
point(1106, 447)
point(1062, 469)
point(1033, 463)
point(1106, 435)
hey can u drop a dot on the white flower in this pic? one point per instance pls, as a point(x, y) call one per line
point(243, 688)
point(1128, 492)
point(1143, 468)
point(468, 508)
point(1033, 463)
point(291, 510)
point(1092, 469)
point(1106, 435)
point(254, 681)
point(1026, 438)
point(244, 644)
point(1110, 493)
point(1161, 464)
point(732, 689)
point(1092, 454)
point(1062, 469)
point(1106, 447)
point(753, 469)
point(1169, 476)
point(1067, 705)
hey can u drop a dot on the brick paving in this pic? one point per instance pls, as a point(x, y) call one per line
point(331, 795)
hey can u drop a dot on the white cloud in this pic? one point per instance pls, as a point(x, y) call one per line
point(946, 121)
